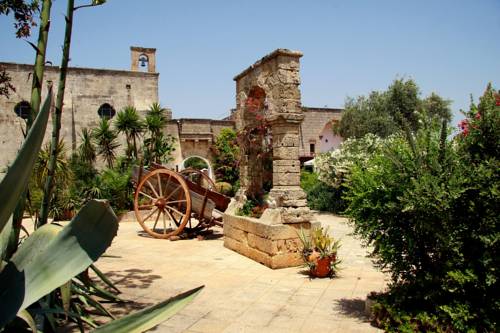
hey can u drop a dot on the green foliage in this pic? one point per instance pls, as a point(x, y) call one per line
point(158, 147)
point(129, 123)
point(308, 180)
point(226, 156)
point(195, 163)
point(105, 139)
point(325, 190)
point(115, 185)
point(430, 209)
point(326, 198)
point(385, 113)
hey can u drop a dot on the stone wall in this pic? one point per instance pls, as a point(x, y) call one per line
point(86, 90)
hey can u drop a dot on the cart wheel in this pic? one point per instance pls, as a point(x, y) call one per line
point(198, 177)
point(162, 203)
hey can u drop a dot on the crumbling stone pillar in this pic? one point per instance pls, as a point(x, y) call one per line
point(271, 88)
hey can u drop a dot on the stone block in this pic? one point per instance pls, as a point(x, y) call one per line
point(266, 245)
point(286, 153)
point(286, 140)
point(288, 192)
point(235, 233)
point(294, 203)
point(286, 178)
point(287, 168)
point(296, 214)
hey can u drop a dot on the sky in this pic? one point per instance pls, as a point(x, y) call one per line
point(350, 47)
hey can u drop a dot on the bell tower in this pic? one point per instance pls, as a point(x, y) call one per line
point(143, 59)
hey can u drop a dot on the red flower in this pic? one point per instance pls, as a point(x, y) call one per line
point(477, 116)
point(464, 126)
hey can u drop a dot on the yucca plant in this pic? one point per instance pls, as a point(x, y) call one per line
point(129, 123)
point(87, 149)
point(105, 139)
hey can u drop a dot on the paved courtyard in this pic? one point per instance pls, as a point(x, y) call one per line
point(240, 295)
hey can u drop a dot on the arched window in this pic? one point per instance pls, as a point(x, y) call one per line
point(106, 111)
point(23, 109)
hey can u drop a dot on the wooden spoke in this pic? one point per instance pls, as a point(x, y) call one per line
point(175, 201)
point(173, 192)
point(164, 223)
point(174, 210)
point(152, 212)
point(152, 188)
point(143, 207)
point(159, 185)
point(172, 217)
point(147, 195)
point(156, 221)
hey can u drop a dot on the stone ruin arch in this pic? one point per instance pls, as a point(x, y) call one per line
point(271, 88)
point(269, 91)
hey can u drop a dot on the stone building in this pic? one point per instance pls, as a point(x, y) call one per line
point(90, 94)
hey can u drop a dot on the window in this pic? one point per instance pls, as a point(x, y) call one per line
point(23, 109)
point(312, 147)
point(106, 111)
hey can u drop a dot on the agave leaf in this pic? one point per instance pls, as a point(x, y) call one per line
point(4, 238)
point(28, 319)
point(66, 295)
point(18, 174)
point(104, 278)
point(26, 279)
point(150, 317)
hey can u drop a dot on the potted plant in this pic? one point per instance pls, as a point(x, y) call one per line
point(319, 252)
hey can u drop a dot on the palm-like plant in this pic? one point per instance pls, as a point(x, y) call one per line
point(129, 123)
point(86, 150)
point(105, 139)
point(157, 144)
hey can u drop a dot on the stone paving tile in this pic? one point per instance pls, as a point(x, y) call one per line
point(241, 295)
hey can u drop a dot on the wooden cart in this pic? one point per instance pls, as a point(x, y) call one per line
point(168, 203)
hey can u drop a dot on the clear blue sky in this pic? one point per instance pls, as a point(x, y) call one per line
point(350, 47)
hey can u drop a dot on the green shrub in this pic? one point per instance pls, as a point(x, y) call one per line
point(116, 186)
point(430, 208)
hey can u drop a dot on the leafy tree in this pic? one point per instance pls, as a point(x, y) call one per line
point(129, 123)
point(384, 113)
point(226, 155)
point(365, 115)
point(105, 139)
